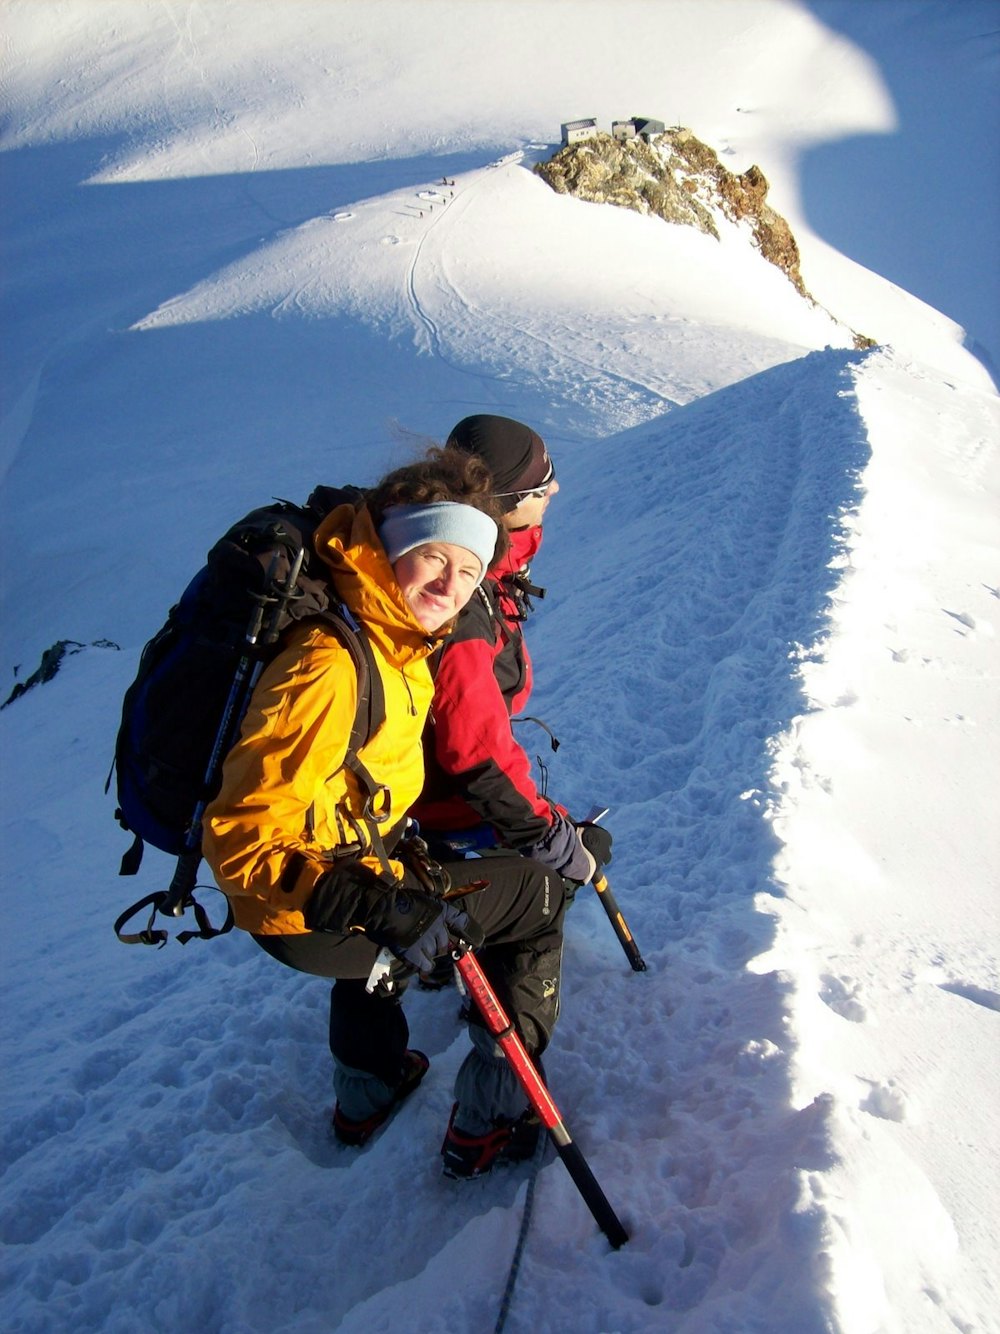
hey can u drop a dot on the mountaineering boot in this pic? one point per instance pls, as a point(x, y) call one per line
point(469, 1156)
point(356, 1133)
point(524, 1136)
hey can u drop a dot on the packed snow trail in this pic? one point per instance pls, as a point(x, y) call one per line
point(881, 928)
point(692, 669)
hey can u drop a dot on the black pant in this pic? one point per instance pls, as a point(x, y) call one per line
point(521, 912)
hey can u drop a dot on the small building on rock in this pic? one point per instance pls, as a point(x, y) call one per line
point(574, 131)
point(639, 127)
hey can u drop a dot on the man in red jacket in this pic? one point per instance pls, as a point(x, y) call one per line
point(478, 777)
point(477, 772)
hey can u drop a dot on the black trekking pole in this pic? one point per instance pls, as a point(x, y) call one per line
point(521, 1063)
point(618, 922)
point(600, 882)
point(178, 896)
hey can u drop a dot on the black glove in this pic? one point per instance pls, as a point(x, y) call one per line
point(453, 924)
point(349, 897)
point(354, 898)
point(597, 840)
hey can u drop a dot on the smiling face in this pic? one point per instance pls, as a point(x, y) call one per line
point(437, 580)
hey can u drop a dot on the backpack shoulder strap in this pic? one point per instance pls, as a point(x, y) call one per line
point(368, 718)
point(370, 713)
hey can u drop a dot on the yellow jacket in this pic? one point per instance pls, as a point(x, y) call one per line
point(286, 803)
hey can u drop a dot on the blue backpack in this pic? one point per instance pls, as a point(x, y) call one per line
point(182, 713)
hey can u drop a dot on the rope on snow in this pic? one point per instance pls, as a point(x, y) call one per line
point(529, 1200)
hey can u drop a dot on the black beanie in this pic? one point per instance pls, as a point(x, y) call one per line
point(514, 453)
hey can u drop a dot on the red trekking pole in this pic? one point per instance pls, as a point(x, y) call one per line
point(538, 1095)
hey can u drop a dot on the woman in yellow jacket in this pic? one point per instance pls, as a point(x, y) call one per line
point(305, 853)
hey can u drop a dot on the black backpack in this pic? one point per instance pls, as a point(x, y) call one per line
point(182, 713)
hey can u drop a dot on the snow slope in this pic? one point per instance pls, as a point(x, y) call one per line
point(235, 265)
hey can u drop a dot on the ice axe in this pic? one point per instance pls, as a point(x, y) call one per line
point(610, 905)
point(618, 923)
point(495, 1018)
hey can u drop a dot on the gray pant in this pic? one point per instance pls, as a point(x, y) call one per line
point(486, 1089)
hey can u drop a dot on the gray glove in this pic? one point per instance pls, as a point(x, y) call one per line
point(563, 850)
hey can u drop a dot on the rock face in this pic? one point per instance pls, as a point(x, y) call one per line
point(678, 178)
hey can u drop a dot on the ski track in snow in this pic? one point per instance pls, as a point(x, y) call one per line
point(554, 361)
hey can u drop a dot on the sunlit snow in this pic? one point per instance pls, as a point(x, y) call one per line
point(244, 253)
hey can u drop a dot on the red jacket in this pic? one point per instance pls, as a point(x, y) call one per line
point(476, 770)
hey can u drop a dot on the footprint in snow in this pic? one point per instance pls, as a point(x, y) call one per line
point(756, 1056)
point(886, 1101)
point(962, 617)
point(989, 1000)
point(841, 995)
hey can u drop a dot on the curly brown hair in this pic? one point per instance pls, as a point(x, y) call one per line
point(442, 474)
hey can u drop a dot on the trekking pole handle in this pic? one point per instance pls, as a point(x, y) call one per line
point(286, 592)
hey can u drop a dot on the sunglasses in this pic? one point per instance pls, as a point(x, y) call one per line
point(537, 491)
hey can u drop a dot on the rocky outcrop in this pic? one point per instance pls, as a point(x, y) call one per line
point(680, 179)
point(677, 178)
point(631, 175)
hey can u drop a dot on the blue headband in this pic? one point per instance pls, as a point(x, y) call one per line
point(407, 526)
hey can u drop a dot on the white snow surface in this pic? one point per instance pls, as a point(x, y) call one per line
point(251, 247)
